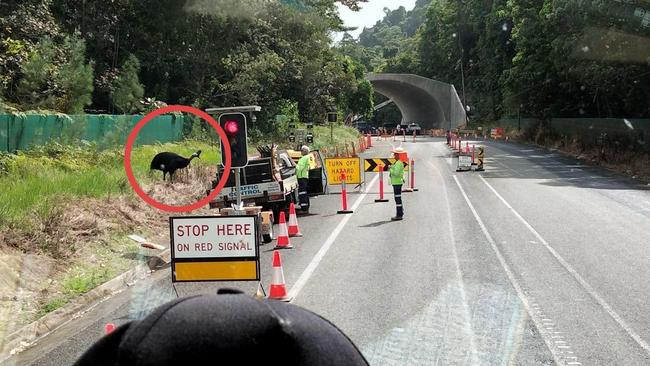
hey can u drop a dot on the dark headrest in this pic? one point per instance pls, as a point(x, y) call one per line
point(226, 328)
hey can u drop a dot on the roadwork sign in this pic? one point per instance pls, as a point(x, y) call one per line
point(337, 166)
point(372, 165)
point(214, 248)
point(464, 162)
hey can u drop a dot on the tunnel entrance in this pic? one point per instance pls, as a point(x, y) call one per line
point(430, 103)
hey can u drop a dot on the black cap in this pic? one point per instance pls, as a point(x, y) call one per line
point(227, 328)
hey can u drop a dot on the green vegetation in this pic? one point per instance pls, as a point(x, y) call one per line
point(127, 90)
point(203, 53)
point(113, 255)
point(35, 180)
point(543, 59)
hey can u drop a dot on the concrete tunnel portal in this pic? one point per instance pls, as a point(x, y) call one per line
point(430, 103)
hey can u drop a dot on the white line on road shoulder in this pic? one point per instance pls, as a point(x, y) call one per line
point(306, 274)
point(590, 290)
point(511, 277)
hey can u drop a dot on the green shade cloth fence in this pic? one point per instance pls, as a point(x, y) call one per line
point(20, 131)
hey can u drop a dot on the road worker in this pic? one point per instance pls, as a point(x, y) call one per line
point(396, 174)
point(302, 173)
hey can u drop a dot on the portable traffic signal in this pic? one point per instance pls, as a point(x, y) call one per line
point(310, 138)
point(234, 125)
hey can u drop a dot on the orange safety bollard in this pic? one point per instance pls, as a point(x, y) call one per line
point(413, 189)
point(381, 185)
point(413, 136)
point(344, 197)
point(473, 152)
point(466, 147)
point(404, 135)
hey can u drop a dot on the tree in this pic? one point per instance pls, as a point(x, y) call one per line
point(127, 90)
point(36, 89)
point(75, 78)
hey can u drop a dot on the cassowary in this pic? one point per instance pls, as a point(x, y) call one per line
point(169, 162)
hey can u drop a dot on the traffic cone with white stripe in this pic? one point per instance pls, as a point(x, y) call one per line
point(294, 230)
point(283, 236)
point(278, 289)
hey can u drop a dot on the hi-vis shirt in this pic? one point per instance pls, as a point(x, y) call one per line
point(397, 173)
point(302, 169)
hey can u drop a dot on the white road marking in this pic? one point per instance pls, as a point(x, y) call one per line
point(590, 290)
point(511, 277)
point(306, 274)
point(463, 294)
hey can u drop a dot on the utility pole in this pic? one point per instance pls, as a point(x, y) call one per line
point(462, 75)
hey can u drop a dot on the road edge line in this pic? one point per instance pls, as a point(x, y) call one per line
point(318, 257)
point(511, 277)
point(590, 290)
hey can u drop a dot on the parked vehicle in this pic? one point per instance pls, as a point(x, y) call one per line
point(413, 127)
point(365, 128)
point(269, 181)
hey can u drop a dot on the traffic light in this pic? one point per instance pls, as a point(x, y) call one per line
point(234, 125)
point(310, 138)
point(292, 135)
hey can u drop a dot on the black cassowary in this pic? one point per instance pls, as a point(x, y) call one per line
point(168, 162)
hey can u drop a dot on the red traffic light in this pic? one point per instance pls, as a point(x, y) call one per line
point(231, 127)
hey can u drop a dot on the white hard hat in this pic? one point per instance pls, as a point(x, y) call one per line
point(304, 148)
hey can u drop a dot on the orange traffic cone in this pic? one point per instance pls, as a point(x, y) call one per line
point(109, 328)
point(278, 290)
point(283, 236)
point(294, 230)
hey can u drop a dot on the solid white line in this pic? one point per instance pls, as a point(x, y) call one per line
point(590, 290)
point(306, 274)
point(511, 277)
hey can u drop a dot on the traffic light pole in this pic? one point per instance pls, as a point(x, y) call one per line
point(238, 186)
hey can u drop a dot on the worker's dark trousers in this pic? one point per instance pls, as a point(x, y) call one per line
point(397, 192)
point(303, 196)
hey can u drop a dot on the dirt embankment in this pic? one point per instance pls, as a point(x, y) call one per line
point(43, 267)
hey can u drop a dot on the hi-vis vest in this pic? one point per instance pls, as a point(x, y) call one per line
point(397, 173)
point(302, 170)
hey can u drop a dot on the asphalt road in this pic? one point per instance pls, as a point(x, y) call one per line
point(539, 260)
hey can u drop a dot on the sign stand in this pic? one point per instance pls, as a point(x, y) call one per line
point(175, 289)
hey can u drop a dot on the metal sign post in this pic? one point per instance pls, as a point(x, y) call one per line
point(238, 186)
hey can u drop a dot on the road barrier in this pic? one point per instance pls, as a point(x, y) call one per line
point(344, 197)
point(294, 230)
point(381, 184)
point(278, 289)
point(283, 236)
point(480, 156)
point(410, 186)
point(473, 153)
